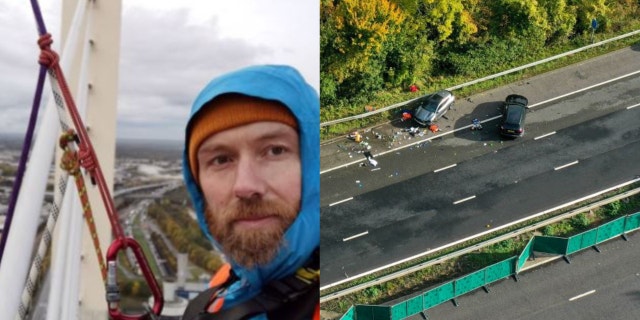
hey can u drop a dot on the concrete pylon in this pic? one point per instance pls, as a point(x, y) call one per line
point(104, 24)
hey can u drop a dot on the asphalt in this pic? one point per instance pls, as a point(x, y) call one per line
point(455, 143)
point(596, 285)
point(394, 137)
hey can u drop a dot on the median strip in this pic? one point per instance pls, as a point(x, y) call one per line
point(445, 168)
point(544, 135)
point(566, 165)
point(355, 236)
point(465, 199)
point(341, 201)
point(582, 295)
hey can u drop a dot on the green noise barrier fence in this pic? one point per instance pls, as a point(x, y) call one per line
point(501, 270)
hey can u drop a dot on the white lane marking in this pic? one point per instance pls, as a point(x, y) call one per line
point(544, 135)
point(471, 237)
point(465, 199)
point(376, 169)
point(444, 133)
point(355, 236)
point(582, 295)
point(341, 201)
point(633, 106)
point(445, 168)
point(566, 165)
point(584, 89)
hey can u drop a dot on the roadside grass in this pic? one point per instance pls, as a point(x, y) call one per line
point(139, 236)
point(393, 96)
point(453, 268)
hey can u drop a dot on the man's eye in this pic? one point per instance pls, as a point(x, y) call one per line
point(219, 160)
point(277, 150)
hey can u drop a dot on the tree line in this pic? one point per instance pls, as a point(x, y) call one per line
point(372, 51)
point(184, 233)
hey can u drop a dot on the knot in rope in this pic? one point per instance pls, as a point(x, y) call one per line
point(48, 57)
point(88, 161)
point(67, 137)
point(69, 161)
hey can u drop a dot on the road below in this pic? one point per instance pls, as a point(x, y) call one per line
point(603, 285)
point(575, 146)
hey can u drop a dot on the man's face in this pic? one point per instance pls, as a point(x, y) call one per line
point(251, 180)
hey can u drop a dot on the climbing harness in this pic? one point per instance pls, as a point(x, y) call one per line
point(73, 159)
point(289, 298)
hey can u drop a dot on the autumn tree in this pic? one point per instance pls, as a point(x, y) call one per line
point(448, 21)
point(561, 19)
point(586, 10)
point(353, 38)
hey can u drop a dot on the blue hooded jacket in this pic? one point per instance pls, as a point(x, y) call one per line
point(286, 85)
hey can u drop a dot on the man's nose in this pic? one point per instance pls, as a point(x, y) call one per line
point(249, 182)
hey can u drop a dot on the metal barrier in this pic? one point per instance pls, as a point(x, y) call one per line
point(501, 270)
point(493, 76)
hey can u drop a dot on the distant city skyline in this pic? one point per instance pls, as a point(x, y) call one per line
point(169, 51)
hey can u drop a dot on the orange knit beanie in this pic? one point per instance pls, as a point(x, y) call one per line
point(228, 111)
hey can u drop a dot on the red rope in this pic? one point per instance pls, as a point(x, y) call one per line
point(86, 153)
point(88, 160)
point(71, 164)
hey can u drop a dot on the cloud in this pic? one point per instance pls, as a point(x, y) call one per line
point(169, 51)
point(165, 61)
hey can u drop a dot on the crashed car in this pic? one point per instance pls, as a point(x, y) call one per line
point(514, 111)
point(430, 108)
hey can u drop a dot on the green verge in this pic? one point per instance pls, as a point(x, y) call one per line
point(453, 268)
point(390, 97)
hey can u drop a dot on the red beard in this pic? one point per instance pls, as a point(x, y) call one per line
point(250, 246)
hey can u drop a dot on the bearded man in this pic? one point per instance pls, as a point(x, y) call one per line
point(251, 165)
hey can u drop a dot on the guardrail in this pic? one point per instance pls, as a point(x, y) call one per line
point(491, 231)
point(493, 76)
point(480, 245)
point(497, 271)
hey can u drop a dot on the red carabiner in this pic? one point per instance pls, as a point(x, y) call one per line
point(112, 287)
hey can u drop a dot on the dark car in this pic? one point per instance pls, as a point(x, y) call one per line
point(514, 113)
point(430, 108)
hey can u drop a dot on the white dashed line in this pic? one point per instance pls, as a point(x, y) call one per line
point(633, 106)
point(544, 135)
point(355, 236)
point(465, 199)
point(445, 168)
point(566, 165)
point(341, 201)
point(582, 295)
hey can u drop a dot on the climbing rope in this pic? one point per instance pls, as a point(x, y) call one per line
point(71, 164)
point(28, 139)
point(43, 247)
point(85, 157)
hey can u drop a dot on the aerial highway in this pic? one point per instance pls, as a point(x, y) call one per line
point(594, 286)
point(432, 194)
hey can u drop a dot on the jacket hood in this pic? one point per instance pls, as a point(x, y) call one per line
point(286, 85)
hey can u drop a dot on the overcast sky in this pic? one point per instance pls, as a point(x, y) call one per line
point(169, 51)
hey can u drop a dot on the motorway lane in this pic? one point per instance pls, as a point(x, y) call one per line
point(545, 292)
point(519, 180)
point(460, 146)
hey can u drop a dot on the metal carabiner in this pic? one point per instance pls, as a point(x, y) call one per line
point(113, 292)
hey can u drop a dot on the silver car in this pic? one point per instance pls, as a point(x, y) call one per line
point(431, 107)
